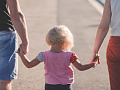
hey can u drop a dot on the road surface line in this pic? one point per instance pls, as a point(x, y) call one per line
point(97, 6)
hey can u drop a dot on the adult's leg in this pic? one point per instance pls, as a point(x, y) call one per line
point(5, 85)
point(113, 61)
point(8, 59)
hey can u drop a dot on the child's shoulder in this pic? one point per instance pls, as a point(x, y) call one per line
point(65, 52)
point(69, 52)
point(61, 53)
point(72, 54)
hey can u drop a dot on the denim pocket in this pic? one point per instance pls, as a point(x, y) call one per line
point(6, 44)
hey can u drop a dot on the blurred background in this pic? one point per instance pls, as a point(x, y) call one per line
point(82, 18)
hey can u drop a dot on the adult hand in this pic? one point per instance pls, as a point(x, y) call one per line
point(20, 52)
point(94, 57)
point(24, 47)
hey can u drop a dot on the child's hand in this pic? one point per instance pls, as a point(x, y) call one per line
point(96, 60)
point(20, 52)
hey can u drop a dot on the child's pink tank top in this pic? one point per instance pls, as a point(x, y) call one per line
point(58, 68)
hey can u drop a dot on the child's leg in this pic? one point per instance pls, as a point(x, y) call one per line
point(58, 87)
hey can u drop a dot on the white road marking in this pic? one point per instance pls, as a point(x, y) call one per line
point(97, 6)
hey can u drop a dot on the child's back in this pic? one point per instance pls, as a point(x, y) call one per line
point(58, 67)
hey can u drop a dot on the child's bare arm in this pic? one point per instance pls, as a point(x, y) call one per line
point(26, 61)
point(81, 67)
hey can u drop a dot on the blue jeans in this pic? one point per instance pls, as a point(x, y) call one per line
point(58, 87)
point(8, 56)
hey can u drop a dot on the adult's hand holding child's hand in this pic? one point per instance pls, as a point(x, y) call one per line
point(20, 51)
point(95, 58)
point(24, 47)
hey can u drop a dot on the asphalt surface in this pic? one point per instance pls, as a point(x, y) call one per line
point(82, 19)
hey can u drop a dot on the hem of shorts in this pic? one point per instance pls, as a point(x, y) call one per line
point(58, 83)
point(7, 78)
point(7, 30)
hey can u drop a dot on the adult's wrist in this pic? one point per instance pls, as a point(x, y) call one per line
point(95, 52)
point(26, 42)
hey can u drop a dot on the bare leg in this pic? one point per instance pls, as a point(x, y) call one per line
point(5, 85)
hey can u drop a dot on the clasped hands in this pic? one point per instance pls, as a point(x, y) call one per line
point(95, 59)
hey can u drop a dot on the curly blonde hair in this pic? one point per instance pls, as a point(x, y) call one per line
point(60, 35)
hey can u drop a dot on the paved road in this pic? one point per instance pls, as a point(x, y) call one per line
point(102, 1)
point(83, 20)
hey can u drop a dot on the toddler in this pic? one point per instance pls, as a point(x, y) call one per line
point(57, 60)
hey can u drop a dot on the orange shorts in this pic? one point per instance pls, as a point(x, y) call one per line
point(113, 61)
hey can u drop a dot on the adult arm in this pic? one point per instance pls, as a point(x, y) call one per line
point(102, 29)
point(19, 23)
